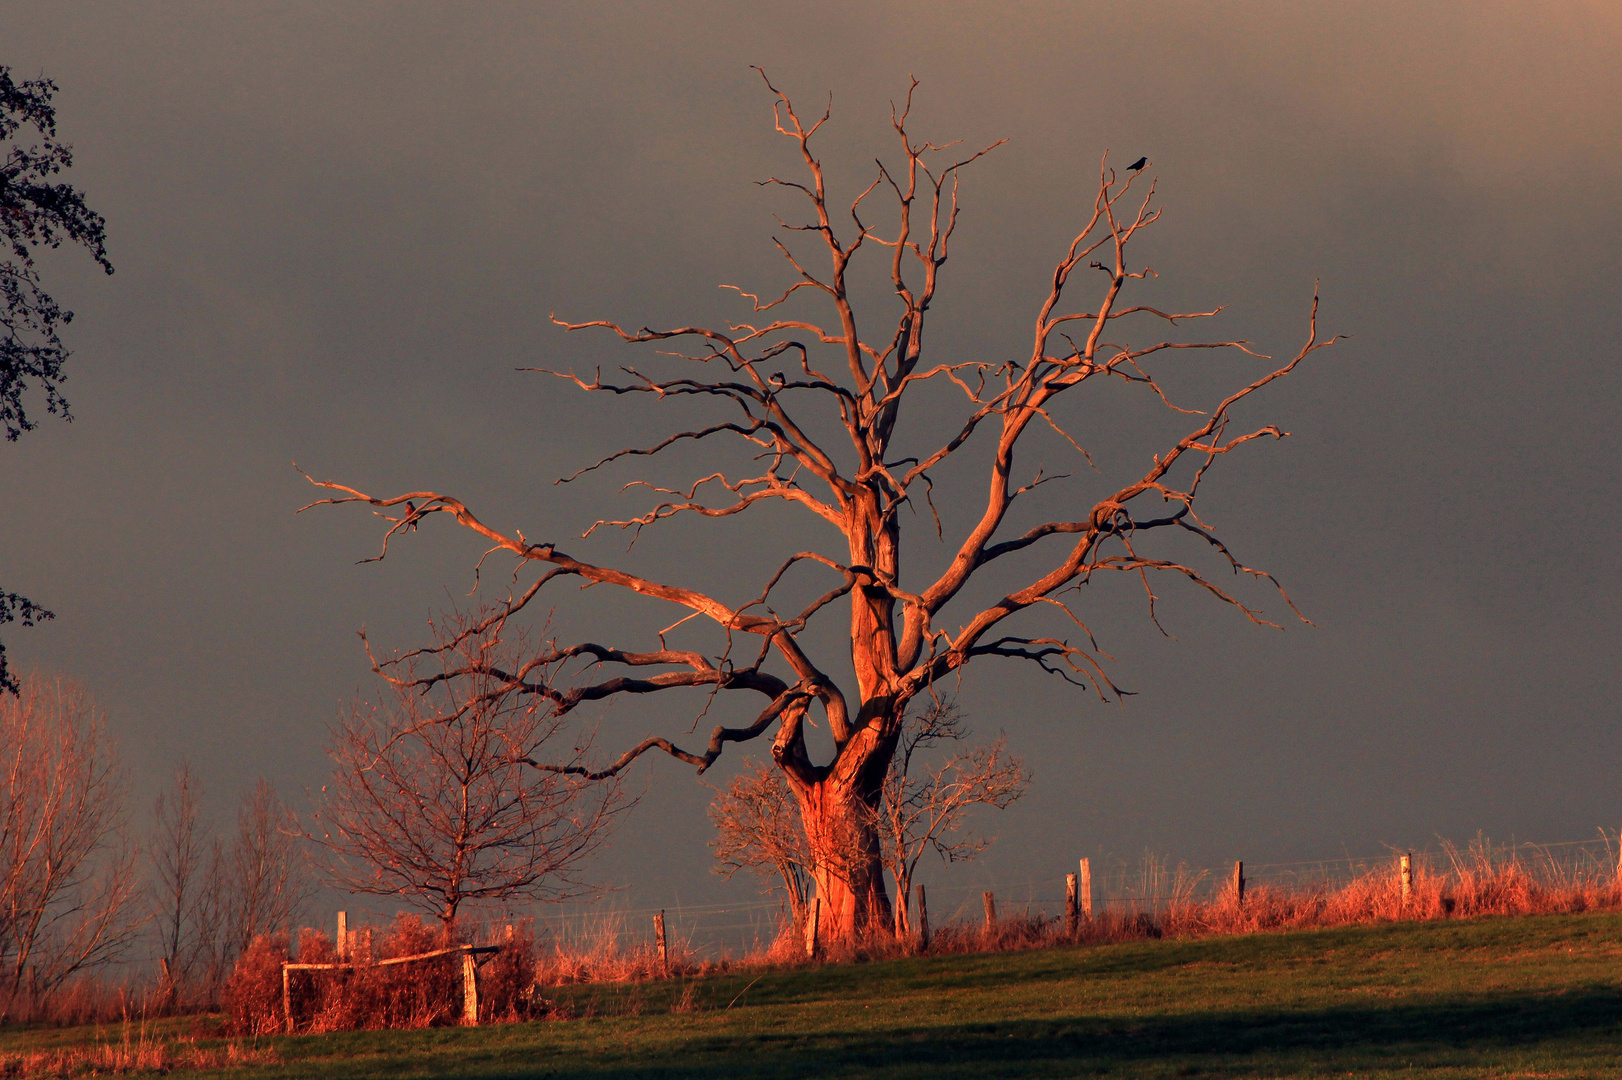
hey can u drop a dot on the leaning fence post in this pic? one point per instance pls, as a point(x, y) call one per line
point(1406, 872)
point(991, 910)
point(470, 988)
point(1239, 882)
point(659, 942)
point(811, 927)
point(1070, 913)
point(1086, 887)
point(923, 918)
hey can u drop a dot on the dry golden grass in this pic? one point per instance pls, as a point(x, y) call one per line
point(137, 1050)
point(1478, 879)
point(1454, 883)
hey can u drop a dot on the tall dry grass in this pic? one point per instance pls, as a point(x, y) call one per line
point(604, 949)
point(137, 1050)
point(92, 999)
point(1478, 879)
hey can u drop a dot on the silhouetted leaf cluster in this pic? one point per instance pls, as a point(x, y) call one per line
point(36, 211)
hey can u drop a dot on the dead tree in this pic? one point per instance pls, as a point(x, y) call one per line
point(924, 808)
point(433, 798)
point(790, 378)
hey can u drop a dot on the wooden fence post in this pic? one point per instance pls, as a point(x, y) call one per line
point(991, 910)
point(470, 990)
point(1071, 914)
point(287, 999)
point(342, 943)
point(1405, 868)
point(170, 991)
point(1086, 887)
point(811, 926)
point(923, 918)
point(1239, 882)
point(659, 941)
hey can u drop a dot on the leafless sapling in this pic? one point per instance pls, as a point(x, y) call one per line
point(925, 804)
point(757, 828)
point(434, 797)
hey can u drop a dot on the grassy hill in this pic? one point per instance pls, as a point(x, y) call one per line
point(1532, 996)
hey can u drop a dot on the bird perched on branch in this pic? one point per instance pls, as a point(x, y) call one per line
point(411, 516)
point(1137, 166)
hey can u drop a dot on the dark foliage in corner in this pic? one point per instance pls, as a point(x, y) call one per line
point(35, 212)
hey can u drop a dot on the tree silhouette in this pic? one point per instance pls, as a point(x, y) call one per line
point(36, 212)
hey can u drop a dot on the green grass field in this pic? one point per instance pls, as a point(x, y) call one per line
point(1537, 996)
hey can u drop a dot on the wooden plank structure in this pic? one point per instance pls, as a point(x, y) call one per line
point(349, 961)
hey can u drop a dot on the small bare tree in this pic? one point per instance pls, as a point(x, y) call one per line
point(195, 901)
point(179, 868)
point(924, 810)
point(214, 940)
point(264, 877)
point(434, 797)
point(757, 828)
point(67, 872)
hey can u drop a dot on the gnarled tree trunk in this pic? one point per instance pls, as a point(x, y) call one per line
point(839, 810)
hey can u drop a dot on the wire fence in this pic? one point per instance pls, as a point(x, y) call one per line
point(1149, 883)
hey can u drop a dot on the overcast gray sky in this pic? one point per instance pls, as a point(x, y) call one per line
point(339, 229)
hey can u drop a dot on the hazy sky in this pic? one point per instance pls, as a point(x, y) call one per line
point(339, 229)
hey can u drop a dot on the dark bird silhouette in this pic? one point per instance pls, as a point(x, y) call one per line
point(411, 516)
point(1137, 166)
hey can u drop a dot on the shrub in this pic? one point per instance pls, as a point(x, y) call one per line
point(253, 994)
